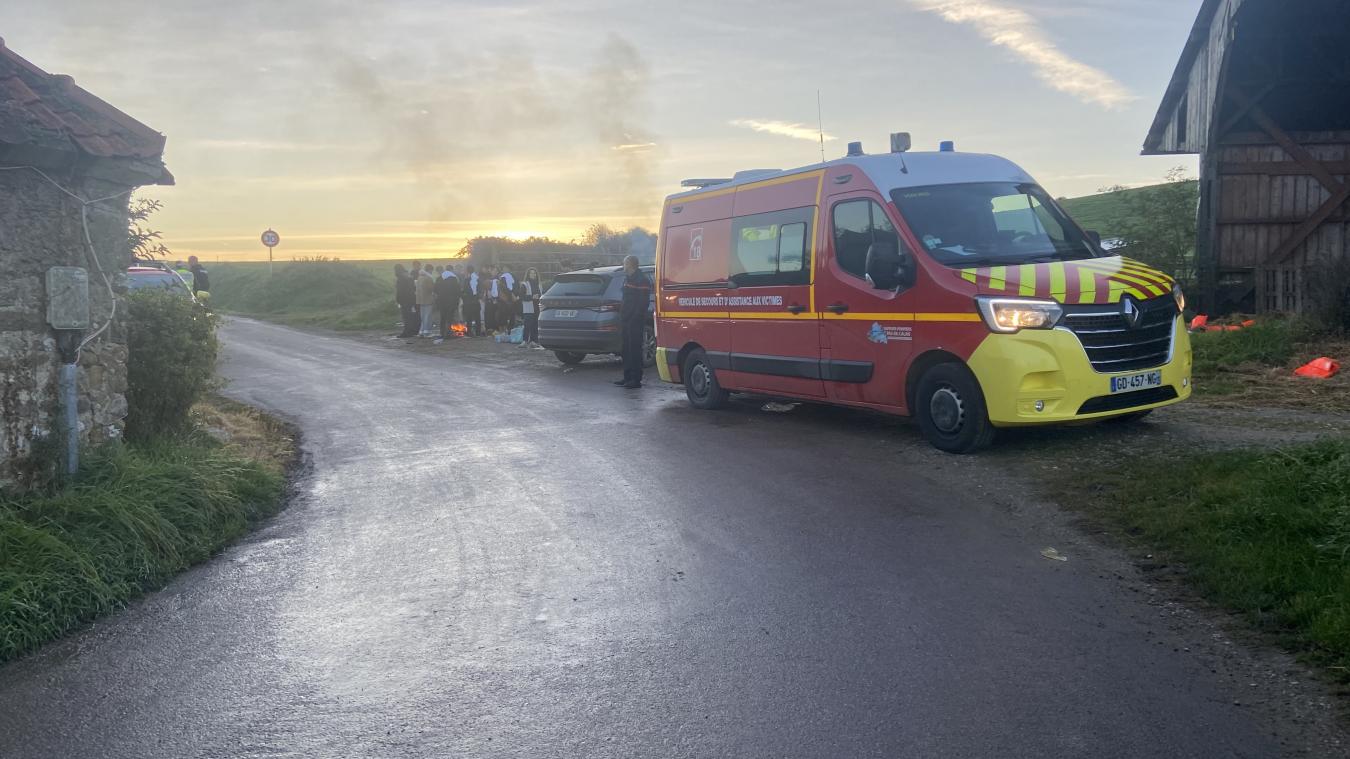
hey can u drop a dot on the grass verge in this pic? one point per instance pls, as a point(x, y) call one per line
point(1265, 533)
point(135, 516)
point(1254, 366)
point(337, 295)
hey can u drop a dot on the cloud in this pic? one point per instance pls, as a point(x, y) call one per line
point(782, 129)
point(1021, 33)
point(268, 146)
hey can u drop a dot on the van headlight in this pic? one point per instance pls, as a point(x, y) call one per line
point(1013, 314)
point(1179, 297)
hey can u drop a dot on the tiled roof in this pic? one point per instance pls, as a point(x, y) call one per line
point(50, 112)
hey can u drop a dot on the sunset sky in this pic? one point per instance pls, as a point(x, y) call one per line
point(401, 128)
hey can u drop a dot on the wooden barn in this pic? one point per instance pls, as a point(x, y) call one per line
point(1262, 95)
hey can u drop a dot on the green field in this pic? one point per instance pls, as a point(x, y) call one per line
point(338, 295)
point(1103, 212)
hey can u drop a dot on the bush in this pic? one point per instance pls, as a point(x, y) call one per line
point(170, 364)
point(135, 516)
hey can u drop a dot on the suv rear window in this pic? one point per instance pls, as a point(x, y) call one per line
point(139, 280)
point(578, 285)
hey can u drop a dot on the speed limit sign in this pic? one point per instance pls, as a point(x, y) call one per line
point(270, 238)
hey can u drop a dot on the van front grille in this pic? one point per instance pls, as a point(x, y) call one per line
point(1113, 344)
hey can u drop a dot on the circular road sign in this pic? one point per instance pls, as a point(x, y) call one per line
point(270, 238)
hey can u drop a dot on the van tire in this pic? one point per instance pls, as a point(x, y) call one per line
point(951, 411)
point(570, 357)
point(700, 382)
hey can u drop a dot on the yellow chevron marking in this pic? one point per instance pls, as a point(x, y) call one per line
point(1027, 279)
point(1057, 284)
point(969, 275)
point(998, 277)
point(1087, 285)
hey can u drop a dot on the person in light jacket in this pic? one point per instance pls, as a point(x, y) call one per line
point(426, 301)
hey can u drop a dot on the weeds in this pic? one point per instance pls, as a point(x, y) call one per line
point(134, 516)
point(1265, 533)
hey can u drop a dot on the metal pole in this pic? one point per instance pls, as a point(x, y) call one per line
point(269, 260)
point(67, 346)
point(71, 412)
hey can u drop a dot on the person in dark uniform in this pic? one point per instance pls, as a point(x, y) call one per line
point(447, 300)
point(637, 294)
point(405, 293)
point(201, 283)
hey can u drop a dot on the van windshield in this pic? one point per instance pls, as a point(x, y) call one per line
point(988, 223)
point(577, 285)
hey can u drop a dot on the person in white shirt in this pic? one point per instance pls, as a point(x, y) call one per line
point(529, 291)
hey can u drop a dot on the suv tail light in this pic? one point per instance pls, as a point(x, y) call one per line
point(610, 305)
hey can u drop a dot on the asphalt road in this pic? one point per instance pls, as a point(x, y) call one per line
point(491, 559)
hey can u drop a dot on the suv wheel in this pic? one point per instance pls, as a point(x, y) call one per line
point(570, 357)
point(648, 347)
point(700, 382)
point(951, 411)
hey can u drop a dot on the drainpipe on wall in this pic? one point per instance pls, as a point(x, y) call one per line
point(68, 314)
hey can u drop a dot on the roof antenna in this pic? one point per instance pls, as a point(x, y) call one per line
point(820, 124)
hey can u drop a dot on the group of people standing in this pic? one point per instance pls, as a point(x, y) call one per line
point(433, 298)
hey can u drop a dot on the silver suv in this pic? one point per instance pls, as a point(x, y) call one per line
point(579, 315)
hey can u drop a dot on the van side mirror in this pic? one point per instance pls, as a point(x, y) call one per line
point(888, 267)
point(1095, 237)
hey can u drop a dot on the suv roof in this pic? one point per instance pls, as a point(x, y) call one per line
point(609, 269)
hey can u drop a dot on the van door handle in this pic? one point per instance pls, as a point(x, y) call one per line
point(837, 308)
point(796, 308)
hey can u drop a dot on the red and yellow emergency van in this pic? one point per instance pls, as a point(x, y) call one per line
point(945, 285)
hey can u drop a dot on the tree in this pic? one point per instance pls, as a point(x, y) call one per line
point(145, 242)
point(1157, 224)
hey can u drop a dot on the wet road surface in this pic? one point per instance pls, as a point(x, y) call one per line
point(485, 560)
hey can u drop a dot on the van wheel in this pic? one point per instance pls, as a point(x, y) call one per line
point(648, 347)
point(700, 382)
point(951, 410)
point(570, 357)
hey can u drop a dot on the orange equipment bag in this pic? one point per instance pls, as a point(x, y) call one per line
point(1319, 368)
point(1199, 321)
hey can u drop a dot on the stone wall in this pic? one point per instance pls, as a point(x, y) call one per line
point(40, 228)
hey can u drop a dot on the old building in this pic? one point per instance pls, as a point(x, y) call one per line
point(1262, 94)
point(68, 164)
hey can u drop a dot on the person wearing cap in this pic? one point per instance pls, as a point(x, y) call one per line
point(637, 294)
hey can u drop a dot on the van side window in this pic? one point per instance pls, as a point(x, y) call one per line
point(857, 224)
point(772, 248)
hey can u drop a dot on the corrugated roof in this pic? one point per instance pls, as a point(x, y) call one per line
point(51, 113)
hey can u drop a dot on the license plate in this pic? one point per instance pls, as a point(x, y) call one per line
point(563, 313)
point(1132, 382)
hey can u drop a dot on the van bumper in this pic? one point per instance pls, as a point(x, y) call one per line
point(581, 340)
point(665, 366)
point(1050, 366)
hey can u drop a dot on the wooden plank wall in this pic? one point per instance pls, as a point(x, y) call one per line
point(1264, 195)
point(1203, 87)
